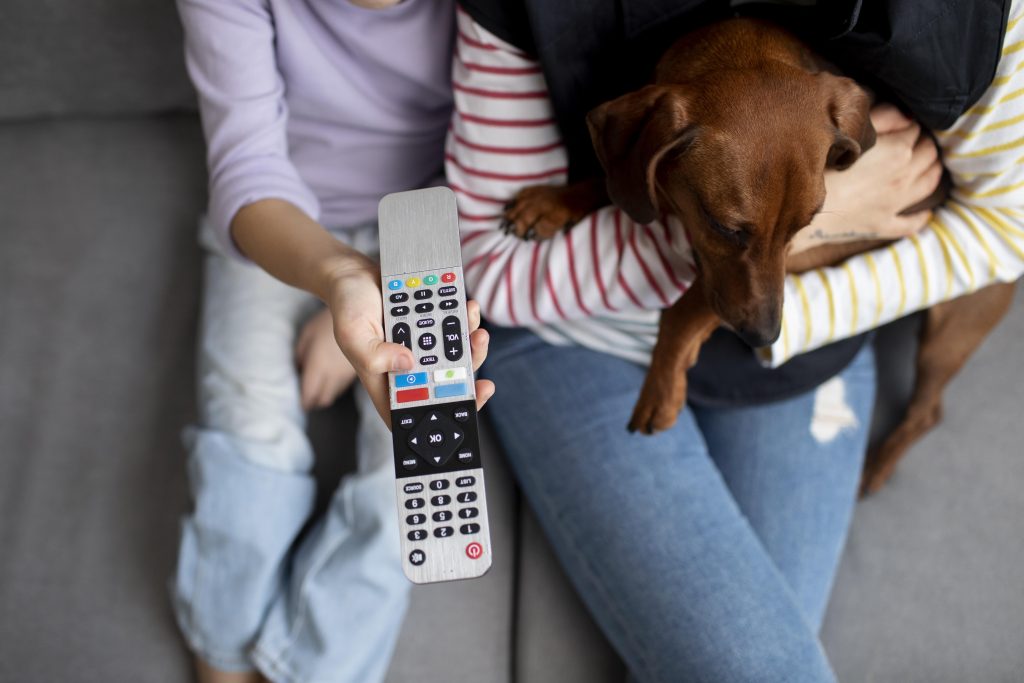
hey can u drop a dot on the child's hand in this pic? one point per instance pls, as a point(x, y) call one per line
point(354, 299)
point(324, 372)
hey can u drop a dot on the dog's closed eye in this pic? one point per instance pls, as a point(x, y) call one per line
point(737, 236)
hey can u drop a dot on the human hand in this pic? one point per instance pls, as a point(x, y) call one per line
point(354, 299)
point(864, 201)
point(324, 371)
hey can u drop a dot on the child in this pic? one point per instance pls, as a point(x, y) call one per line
point(312, 110)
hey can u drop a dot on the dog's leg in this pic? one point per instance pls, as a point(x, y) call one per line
point(541, 211)
point(684, 327)
point(952, 331)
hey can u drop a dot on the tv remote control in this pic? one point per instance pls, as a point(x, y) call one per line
point(439, 480)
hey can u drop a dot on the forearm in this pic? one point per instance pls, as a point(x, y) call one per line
point(283, 240)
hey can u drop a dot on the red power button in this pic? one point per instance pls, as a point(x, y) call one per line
point(474, 551)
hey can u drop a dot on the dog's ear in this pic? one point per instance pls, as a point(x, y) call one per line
point(631, 135)
point(849, 107)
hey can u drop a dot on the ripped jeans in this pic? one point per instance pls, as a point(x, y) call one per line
point(706, 552)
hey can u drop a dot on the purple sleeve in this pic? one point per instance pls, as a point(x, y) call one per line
point(229, 51)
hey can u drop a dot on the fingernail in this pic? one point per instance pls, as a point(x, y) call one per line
point(401, 364)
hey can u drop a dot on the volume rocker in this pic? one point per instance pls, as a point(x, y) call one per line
point(400, 335)
point(452, 332)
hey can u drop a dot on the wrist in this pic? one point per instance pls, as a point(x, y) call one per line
point(343, 265)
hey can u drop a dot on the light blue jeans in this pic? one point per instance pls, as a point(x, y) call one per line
point(248, 592)
point(706, 552)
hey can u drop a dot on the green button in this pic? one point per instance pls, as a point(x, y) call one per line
point(430, 280)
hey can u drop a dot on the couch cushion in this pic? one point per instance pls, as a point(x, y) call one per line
point(91, 57)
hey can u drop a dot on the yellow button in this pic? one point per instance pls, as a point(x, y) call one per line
point(412, 282)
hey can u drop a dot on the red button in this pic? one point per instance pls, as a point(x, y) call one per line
point(448, 277)
point(474, 551)
point(409, 395)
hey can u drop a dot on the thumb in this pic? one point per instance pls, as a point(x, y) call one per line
point(886, 118)
point(379, 357)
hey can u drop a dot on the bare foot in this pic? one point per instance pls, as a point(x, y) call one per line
point(207, 674)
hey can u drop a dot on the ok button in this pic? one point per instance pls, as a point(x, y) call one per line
point(435, 439)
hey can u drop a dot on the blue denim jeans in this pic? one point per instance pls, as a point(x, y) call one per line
point(249, 591)
point(706, 552)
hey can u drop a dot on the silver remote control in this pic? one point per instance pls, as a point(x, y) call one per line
point(442, 506)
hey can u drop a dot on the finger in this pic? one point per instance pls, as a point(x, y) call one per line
point(924, 155)
point(374, 356)
point(329, 393)
point(302, 344)
point(886, 118)
point(484, 391)
point(906, 137)
point(473, 314)
point(479, 342)
point(924, 185)
point(310, 389)
point(912, 224)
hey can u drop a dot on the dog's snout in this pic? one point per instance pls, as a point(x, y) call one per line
point(757, 337)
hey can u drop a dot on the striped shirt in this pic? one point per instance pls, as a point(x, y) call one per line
point(601, 283)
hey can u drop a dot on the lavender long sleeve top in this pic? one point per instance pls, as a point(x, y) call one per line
point(319, 102)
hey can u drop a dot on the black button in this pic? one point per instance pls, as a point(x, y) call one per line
point(451, 330)
point(465, 481)
point(428, 360)
point(400, 310)
point(413, 488)
point(442, 515)
point(399, 297)
point(439, 485)
point(417, 534)
point(428, 341)
point(465, 457)
point(424, 322)
point(400, 335)
point(414, 504)
point(448, 304)
point(443, 531)
point(424, 308)
point(435, 439)
point(450, 290)
point(467, 497)
point(470, 528)
point(462, 414)
point(423, 294)
point(407, 421)
point(417, 557)
point(410, 463)
point(468, 513)
point(438, 500)
point(415, 519)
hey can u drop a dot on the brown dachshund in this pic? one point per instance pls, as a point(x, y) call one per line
point(733, 137)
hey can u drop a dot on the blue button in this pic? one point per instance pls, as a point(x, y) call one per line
point(410, 380)
point(395, 284)
point(450, 390)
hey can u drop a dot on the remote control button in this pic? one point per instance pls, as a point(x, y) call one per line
point(443, 531)
point(399, 311)
point(442, 516)
point(417, 534)
point(448, 278)
point(465, 481)
point(399, 297)
point(448, 291)
point(416, 519)
point(440, 500)
point(465, 457)
point(427, 341)
point(411, 380)
point(421, 294)
point(417, 557)
point(468, 513)
point(425, 322)
point(414, 504)
point(474, 551)
point(439, 485)
point(451, 330)
point(466, 497)
point(395, 284)
point(435, 439)
point(448, 304)
point(449, 374)
point(424, 308)
point(461, 415)
point(413, 488)
point(410, 463)
point(400, 335)
point(410, 395)
point(428, 360)
point(450, 390)
point(412, 282)
point(468, 529)
point(430, 280)
point(407, 421)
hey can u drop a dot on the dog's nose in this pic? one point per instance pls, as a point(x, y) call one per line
point(758, 337)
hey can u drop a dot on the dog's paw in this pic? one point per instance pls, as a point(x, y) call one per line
point(658, 407)
point(539, 213)
point(874, 477)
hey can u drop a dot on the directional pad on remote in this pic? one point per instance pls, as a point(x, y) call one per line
point(436, 438)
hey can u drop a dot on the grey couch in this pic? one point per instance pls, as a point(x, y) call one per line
point(101, 180)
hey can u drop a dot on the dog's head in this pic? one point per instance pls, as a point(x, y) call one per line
point(740, 159)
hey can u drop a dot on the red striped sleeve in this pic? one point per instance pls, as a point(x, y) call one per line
point(620, 271)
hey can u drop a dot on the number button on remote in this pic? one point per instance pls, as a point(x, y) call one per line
point(467, 497)
point(468, 529)
point(442, 516)
point(417, 534)
point(437, 500)
point(414, 504)
point(468, 513)
point(439, 484)
point(448, 304)
point(443, 531)
point(415, 519)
